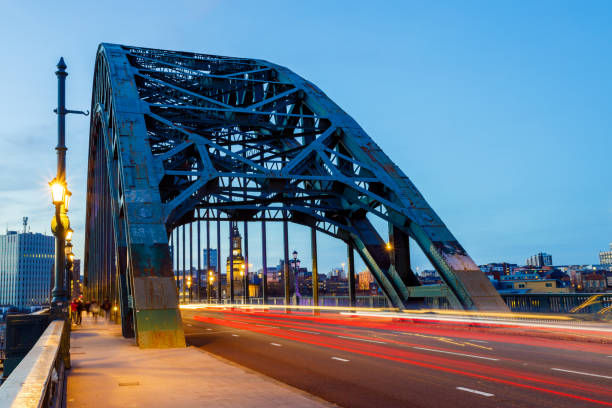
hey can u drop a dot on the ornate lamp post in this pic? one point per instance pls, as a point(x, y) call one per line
point(295, 278)
point(60, 196)
point(211, 280)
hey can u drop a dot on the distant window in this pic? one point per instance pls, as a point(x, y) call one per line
point(521, 285)
point(549, 284)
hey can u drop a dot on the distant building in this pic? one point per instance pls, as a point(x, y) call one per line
point(238, 265)
point(605, 257)
point(429, 277)
point(365, 279)
point(496, 269)
point(26, 265)
point(539, 260)
point(531, 283)
point(338, 273)
point(75, 290)
point(213, 259)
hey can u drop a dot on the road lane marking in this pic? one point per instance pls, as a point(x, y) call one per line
point(458, 354)
point(478, 341)
point(305, 331)
point(276, 344)
point(344, 360)
point(484, 394)
point(235, 335)
point(582, 373)
point(189, 324)
point(264, 325)
point(209, 329)
point(355, 338)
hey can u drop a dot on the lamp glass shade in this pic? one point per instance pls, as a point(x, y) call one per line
point(69, 232)
point(67, 199)
point(58, 191)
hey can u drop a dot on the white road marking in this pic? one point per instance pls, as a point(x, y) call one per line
point(235, 335)
point(209, 329)
point(580, 372)
point(263, 325)
point(304, 331)
point(458, 354)
point(484, 394)
point(355, 338)
point(479, 341)
point(344, 360)
point(189, 324)
point(276, 344)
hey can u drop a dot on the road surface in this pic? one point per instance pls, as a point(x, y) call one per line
point(383, 362)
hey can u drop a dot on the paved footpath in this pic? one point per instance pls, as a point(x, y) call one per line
point(110, 371)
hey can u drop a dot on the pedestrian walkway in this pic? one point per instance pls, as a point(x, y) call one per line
point(110, 371)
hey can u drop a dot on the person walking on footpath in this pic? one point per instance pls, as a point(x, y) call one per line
point(95, 310)
point(79, 312)
point(87, 306)
point(106, 306)
point(73, 311)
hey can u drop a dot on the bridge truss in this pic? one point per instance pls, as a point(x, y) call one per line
point(177, 136)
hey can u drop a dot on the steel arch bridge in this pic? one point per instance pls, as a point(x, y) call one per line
point(173, 133)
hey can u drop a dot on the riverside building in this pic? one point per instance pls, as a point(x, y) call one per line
point(26, 267)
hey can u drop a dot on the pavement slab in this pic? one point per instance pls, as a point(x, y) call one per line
point(111, 371)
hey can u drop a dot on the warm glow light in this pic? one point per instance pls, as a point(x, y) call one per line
point(388, 246)
point(58, 190)
point(67, 199)
point(69, 233)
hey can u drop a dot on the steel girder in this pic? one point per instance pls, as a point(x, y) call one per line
point(248, 139)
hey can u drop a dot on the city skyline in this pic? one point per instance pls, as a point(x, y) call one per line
point(523, 134)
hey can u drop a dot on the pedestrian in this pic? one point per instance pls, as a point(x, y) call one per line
point(79, 311)
point(73, 311)
point(87, 306)
point(106, 306)
point(95, 310)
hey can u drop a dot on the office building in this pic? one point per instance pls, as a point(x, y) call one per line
point(213, 259)
point(26, 266)
point(605, 257)
point(539, 260)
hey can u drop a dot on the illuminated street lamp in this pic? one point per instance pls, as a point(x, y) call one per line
point(388, 246)
point(58, 191)
point(211, 280)
point(189, 286)
point(69, 233)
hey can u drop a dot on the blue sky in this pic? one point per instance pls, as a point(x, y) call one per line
point(499, 112)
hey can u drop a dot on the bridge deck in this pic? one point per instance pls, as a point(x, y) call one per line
point(109, 371)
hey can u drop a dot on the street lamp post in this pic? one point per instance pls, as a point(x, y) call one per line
point(211, 280)
point(295, 278)
point(60, 224)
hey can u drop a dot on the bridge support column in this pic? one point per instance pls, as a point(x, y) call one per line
point(157, 317)
point(218, 258)
point(286, 259)
point(264, 262)
point(351, 274)
point(315, 267)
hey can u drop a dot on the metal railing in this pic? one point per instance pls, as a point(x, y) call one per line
point(583, 303)
point(39, 379)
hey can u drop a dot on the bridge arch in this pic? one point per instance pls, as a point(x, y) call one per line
point(245, 139)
